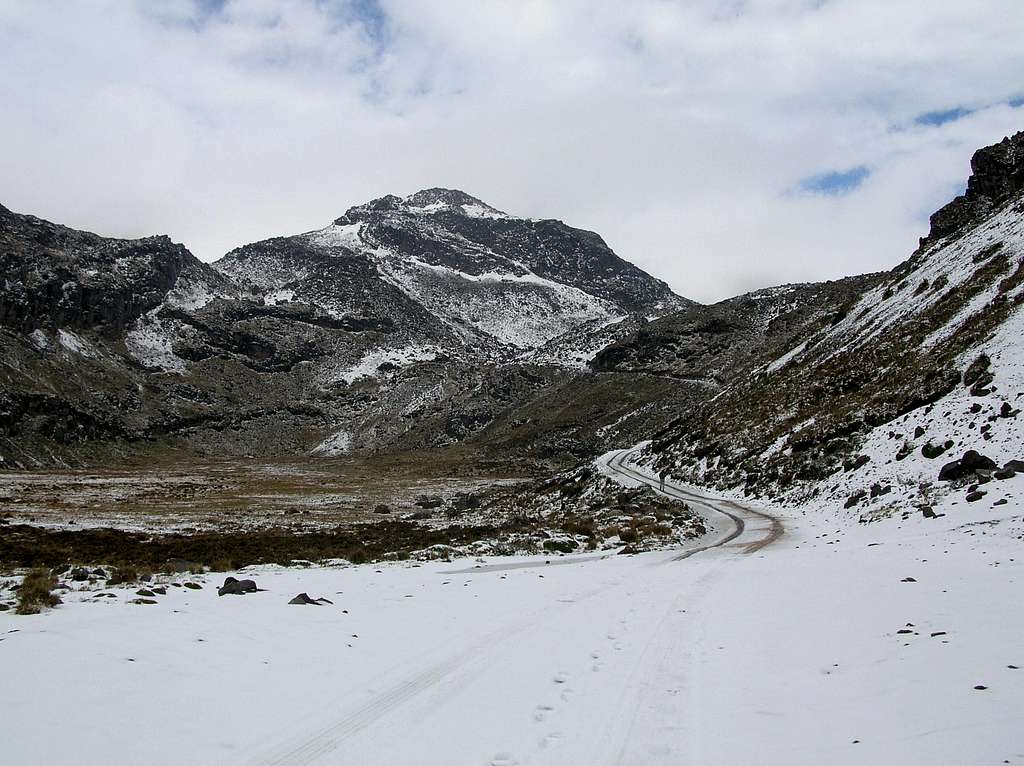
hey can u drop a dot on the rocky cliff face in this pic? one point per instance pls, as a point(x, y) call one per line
point(997, 175)
point(54, 276)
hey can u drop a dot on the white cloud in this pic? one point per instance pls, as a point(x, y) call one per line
point(675, 130)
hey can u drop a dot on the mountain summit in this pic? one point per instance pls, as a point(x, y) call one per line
point(443, 266)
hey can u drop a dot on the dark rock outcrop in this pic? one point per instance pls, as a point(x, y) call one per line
point(235, 587)
point(997, 174)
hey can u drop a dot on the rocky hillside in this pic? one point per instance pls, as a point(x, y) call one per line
point(717, 344)
point(405, 324)
point(924, 365)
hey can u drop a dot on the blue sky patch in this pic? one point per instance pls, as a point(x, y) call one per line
point(834, 183)
point(941, 117)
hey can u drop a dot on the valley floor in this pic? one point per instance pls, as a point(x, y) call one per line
point(830, 645)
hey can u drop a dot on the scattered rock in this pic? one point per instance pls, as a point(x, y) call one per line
point(878, 489)
point(1003, 473)
point(855, 498)
point(1000, 501)
point(928, 512)
point(145, 592)
point(193, 585)
point(1014, 465)
point(382, 508)
point(235, 587)
point(973, 497)
point(160, 590)
point(908, 579)
point(465, 501)
point(932, 451)
point(304, 599)
point(560, 546)
point(858, 462)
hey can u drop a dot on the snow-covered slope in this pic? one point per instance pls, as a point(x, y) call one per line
point(897, 643)
point(925, 365)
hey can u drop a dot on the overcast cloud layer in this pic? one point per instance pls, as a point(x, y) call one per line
point(723, 145)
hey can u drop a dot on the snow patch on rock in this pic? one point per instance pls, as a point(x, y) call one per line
point(149, 341)
point(369, 365)
point(338, 443)
point(75, 343)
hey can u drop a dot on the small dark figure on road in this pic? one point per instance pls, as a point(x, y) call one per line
point(661, 477)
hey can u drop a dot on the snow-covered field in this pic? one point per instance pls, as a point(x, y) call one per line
point(792, 654)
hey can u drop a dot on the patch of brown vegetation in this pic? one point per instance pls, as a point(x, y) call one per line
point(36, 592)
point(24, 545)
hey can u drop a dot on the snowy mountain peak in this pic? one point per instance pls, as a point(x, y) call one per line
point(426, 202)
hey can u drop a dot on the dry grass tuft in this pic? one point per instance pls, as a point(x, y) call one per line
point(36, 592)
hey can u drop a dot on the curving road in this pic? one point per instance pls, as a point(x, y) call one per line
point(767, 528)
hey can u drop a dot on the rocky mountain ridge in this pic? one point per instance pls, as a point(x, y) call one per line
point(406, 323)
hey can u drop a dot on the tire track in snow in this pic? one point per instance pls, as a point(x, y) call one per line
point(452, 672)
point(659, 652)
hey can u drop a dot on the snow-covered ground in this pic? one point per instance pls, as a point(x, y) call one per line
point(788, 655)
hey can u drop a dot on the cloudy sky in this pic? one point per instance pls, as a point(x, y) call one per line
point(723, 145)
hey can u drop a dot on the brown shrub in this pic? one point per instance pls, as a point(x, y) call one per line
point(123, 574)
point(36, 592)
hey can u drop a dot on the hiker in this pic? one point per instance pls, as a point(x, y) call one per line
point(661, 477)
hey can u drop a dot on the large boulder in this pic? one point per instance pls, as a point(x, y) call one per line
point(971, 462)
point(236, 587)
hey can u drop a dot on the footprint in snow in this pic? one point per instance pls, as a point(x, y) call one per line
point(541, 712)
point(550, 739)
point(561, 678)
point(503, 759)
